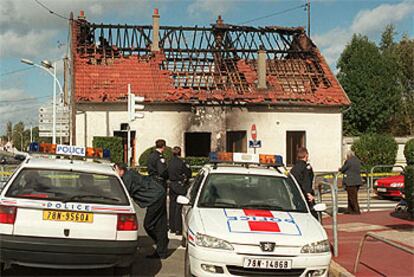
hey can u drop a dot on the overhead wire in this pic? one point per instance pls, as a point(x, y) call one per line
point(16, 71)
point(24, 99)
point(50, 11)
point(273, 14)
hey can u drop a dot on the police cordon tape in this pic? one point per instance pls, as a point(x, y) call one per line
point(328, 176)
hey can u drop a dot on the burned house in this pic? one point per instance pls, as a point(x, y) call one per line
point(205, 87)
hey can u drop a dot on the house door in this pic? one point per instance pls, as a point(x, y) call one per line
point(294, 141)
point(236, 141)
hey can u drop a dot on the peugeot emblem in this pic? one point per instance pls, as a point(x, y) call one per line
point(267, 246)
point(66, 232)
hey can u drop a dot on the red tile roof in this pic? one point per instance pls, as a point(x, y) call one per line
point(102, 71)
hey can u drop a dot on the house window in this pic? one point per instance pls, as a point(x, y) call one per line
point(197, 144)
point(294, 140)
point(236, 141)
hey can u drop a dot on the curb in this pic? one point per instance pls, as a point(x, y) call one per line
point(336, 270)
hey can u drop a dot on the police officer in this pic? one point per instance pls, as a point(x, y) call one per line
point(178, 173)
point(155, 222)
point(303, 173)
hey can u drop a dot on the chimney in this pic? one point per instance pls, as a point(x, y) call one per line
point(261, 68)
point(155, 31)
point(82, 15)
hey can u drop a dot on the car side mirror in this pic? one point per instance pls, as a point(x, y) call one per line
point(183, 200)
point(321, 207)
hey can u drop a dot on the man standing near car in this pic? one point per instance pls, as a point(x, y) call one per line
point(151, 195)
point(352, 181)
point(178, 173)
point(303, 173)
point(156, 222)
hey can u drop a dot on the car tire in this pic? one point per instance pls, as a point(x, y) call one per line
point(123, 271)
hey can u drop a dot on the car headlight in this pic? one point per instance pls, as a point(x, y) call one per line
point(397, 185)
point(212, 242)
point(316, 247)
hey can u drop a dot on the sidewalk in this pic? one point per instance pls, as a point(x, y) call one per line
point(377, 258)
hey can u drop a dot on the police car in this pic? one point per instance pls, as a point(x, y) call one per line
point(67, 213)
point(251, 220)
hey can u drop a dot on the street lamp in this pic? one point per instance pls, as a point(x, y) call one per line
point(47, 66)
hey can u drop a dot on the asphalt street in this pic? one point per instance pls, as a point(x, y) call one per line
point(173, 266)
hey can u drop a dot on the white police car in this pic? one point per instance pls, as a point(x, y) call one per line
point(251, 220)
point(58, 213)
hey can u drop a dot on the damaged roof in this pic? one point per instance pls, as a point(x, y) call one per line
point(215, 64)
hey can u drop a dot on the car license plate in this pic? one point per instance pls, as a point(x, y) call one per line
point(382, 189)
point(68, 216)
point(267, 263)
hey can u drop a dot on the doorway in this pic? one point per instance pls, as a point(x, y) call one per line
point(294, 141)
point(197, 144)
point(236, 141)
point(124, 136)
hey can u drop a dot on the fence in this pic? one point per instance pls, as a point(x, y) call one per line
point(318, 185)
point(384, 240)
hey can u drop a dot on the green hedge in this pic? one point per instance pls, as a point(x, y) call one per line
point(376, 149)
point(409, 152)
point(143, 159)
point(114, 144)
point(196, 161)
point(409, 188)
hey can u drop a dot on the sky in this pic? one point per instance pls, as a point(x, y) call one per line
point(28, 30)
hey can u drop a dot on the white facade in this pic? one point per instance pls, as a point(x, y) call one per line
point(322, 127)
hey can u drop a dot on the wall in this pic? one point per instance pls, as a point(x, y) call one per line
point(323, 133)
point(323, 129)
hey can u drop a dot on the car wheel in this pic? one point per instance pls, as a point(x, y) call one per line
point(123, 271)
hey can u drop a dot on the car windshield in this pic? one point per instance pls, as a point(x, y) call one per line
point(65, 186)
point(251, 191)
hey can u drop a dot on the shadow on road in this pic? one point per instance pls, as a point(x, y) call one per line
point(142, 266)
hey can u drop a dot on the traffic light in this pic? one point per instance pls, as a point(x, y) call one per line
point(135, 103)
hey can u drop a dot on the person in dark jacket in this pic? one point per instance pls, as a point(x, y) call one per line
point(178, 173)
point(303, 173)
point(156, 220)
point(352, 181)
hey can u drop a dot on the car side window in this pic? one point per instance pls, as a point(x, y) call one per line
point(196, 186)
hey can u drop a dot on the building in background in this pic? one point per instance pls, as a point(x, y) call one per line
point(205, 87)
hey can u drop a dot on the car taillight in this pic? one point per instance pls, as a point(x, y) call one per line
point(127, 222)
point(7, 214)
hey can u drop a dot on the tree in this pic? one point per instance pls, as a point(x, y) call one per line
point(18, 136)
point(369, 78)
point(404, 50)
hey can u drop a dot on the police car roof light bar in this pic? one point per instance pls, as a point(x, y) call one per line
point(69, 151)
point(245, 159)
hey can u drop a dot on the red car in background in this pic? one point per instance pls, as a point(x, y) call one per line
point(389, 186)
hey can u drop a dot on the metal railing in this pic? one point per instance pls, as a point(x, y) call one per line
point(334, 192)
point(382, 239)
point(370, 183)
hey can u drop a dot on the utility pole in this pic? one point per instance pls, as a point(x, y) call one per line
point(309, 20)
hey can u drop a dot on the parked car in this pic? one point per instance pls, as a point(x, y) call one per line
point(251, 220)
point(67, 214)
point(389, 187)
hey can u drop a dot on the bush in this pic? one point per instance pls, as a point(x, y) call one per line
point(409, 188)
point(143, 159)
point(409, 152)
point(196, 161)
point(376, 149)
point(114, 144)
